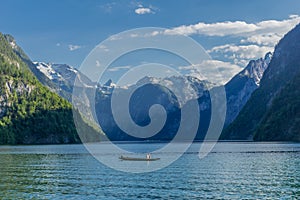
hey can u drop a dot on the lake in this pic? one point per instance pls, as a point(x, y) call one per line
point(237, 170)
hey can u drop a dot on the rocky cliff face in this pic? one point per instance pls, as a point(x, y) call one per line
point(242, 85)
point(29, 112)
point(262, 112)
point(239, 90)
point(60, 77)
point(193, 87)
point(167, 92)
point(13, 87)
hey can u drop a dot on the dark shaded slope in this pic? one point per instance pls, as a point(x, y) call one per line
point(283, 68)
point(282, 121)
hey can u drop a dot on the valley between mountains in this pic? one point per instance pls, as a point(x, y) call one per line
point(263, 101)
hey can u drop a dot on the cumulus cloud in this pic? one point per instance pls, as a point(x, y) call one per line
point(214, 29)
point(253, 39)
point(265, 33)
point(207, 70)
point(142, 11)
point(241, 54)
point(269, 39)
point(247, 41)
point(73, 47)
point(237, 28)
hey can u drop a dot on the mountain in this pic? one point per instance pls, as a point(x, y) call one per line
point(194, 87)
point(239, 90)
point(29, 112)
point(26, 60)
point(240, 87)
point(282, 120)
point(154, 90)
point(140, 102)
point(272, 112)
point(61, 77)
point(167, 92)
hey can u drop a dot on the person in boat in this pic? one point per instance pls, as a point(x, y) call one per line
point(148, 156)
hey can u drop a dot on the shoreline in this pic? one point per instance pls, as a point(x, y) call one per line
point(159, 142)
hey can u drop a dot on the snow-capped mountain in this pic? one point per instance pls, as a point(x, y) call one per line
point(242, 85)
point(106, 88)
point(181, 90)
point(256, 68)
point(62, 76)
point(48, 71)
point(184, 87)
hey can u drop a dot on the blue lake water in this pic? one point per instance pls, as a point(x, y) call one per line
point(230, 171)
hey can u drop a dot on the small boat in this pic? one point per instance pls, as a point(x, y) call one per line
point(138, 159)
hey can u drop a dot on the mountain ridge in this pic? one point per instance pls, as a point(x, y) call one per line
point(29, 112)
point(283, 68)
point(239, 90)
point(242, 85)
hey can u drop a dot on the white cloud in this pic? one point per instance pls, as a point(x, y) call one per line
point(58, 44)
point(74, 47)
point(249, 41)
point(270, 39)
point(261, 37)
point(207, 70)
point(214, 29)
point(241, 54)
point(293, 16)
point(142, 11)
point(237, 28)
point(115, 69)
point(254, 40)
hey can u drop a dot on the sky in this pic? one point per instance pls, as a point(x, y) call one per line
point(232, 31)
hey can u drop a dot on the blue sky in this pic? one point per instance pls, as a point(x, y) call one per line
point(232, 31)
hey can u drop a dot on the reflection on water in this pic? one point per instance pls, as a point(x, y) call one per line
point(231, 171)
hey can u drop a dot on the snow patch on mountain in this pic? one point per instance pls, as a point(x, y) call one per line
point(242, 85)
point(184, 87)
point(256, 68)
point(47, 70)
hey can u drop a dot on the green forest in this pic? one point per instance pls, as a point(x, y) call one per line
point(31, 113)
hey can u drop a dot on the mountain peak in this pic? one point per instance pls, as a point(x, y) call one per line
point(241, 86)
point(27, 108)
point(108, 83)
point(268, 57)
point(255, 69)
point(272, 112)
